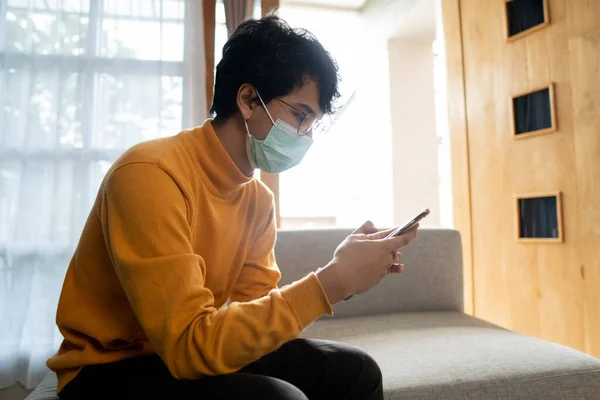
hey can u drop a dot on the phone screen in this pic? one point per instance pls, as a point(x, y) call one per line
point(401, 230)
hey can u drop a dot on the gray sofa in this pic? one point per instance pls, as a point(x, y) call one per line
point(413, 325)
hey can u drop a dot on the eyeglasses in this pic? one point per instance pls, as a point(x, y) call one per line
point(309, 123)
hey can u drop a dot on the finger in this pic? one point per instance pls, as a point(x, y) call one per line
point(381, 234)
point(400, 241)
point(366, 228)
point(397, 268)
point(386, 233)
point(397, 256)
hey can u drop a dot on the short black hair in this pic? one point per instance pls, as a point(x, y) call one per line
point(276, 59)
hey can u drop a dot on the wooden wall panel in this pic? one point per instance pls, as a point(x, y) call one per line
point(457, 124)
point(584, 59)
point(544, 290)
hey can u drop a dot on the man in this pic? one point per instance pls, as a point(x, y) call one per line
point(172, 291)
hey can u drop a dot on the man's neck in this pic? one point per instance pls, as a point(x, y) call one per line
point(232, 135)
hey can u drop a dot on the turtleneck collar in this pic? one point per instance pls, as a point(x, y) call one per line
point(220, 174)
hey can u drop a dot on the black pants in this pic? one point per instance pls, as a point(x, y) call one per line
point(300, 369)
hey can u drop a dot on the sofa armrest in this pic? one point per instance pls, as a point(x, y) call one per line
point(433, 280)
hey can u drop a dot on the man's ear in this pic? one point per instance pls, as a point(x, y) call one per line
point(246, 100)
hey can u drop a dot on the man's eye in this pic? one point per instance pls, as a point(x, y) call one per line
point(299, 116)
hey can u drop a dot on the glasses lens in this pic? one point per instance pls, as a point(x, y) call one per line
point(321, 126)
point(306, 124)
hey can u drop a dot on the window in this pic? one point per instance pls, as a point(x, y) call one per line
point(539, 218)
point(221, 28)
point(533, 113)
point(346, 178)
point(80, 82)
point(523, 16)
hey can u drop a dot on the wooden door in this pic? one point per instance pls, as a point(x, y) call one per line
point(545, 288)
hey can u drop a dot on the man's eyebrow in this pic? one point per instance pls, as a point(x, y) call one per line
point(306, 108)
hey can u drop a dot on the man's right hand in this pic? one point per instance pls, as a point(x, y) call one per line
point(361, 261)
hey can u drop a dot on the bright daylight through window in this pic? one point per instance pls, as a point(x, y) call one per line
point(81, 81)
point(346, 178)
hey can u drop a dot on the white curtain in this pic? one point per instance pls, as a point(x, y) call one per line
point(80, 82)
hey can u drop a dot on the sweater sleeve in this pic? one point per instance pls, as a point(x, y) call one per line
point(145, 225)
point(260, 273)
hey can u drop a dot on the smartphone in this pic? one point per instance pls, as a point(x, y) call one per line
point(410, 224)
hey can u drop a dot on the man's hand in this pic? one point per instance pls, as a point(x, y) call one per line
point(373, 233)
point(361, 261)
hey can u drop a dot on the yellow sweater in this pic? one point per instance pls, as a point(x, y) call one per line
point(176, 231)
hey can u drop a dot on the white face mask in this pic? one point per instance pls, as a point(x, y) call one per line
point(282, 149)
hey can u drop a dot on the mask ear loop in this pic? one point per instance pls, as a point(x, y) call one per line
point(248, 147)
point(265, 106)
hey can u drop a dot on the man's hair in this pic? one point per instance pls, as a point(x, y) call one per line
point(276, 59)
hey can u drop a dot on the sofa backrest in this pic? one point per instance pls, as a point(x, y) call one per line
point(433, 280)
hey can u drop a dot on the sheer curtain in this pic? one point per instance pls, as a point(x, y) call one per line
point(80, 82)
point(236, 12)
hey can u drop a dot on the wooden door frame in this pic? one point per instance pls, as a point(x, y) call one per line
point(209, 21)
point(271, 180)
point(459, 144)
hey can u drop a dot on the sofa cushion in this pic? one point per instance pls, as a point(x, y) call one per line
point(449, 355)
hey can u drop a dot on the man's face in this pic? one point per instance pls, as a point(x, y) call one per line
point(301, 101)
